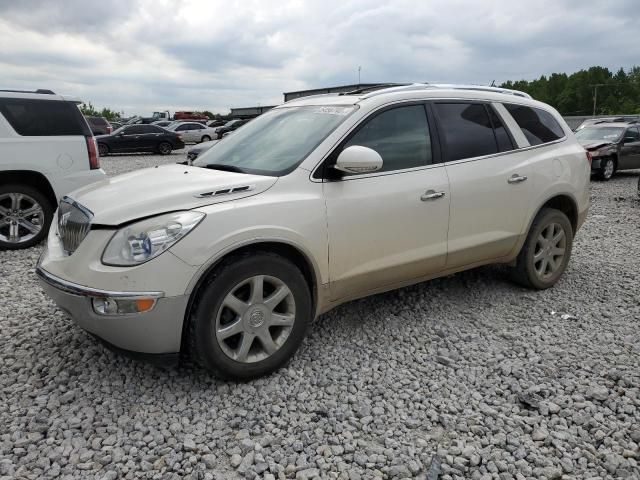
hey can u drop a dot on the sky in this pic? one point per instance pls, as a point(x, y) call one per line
point(140, 56)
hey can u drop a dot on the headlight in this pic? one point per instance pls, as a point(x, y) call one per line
point(144, 240)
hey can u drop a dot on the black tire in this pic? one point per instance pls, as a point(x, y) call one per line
point(607, 170)
point(103, 150)
point(203, 345)
point(44, 204)
point(205, 138)
point(164, 148)
point(525, 272)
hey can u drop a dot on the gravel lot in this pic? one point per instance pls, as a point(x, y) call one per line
point(463, 377)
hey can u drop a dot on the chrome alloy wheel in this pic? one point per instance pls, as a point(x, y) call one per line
point(549, 251)
point(21, 218)
point(255, 319)
point(609, 167)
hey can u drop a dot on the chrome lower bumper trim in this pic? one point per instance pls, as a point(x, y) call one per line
point(82, 291)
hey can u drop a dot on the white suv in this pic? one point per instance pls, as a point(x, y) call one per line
point(46, 151)
point(316, 202)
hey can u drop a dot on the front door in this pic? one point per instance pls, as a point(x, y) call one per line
point(388, 227)
point(630, 150)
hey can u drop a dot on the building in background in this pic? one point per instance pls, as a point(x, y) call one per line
point(249, 112)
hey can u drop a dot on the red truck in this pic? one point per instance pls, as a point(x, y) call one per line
point(189, 116)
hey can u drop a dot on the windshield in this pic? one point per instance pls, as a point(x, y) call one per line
point(605, 134)
point(277, 141)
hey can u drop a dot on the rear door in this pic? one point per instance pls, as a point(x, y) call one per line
point(489, 189)
point(630, 150)
point(390, 226)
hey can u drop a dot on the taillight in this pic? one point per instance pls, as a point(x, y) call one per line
point(109, 129)
point(589, 158)
point(92, 149)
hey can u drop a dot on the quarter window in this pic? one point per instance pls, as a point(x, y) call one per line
point(467, 130)
point(537, 125)
point(400, 136)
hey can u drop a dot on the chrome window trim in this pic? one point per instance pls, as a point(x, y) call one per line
point(82, 291)
point(453, 162)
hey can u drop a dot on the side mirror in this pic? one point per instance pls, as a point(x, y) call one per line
point(358, 159)
point(121, 134)
point(629, 140)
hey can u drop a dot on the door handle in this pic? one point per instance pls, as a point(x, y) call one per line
point(431, 195)
point(515, 178)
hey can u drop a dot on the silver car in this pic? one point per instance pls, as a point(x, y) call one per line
point(193, 132)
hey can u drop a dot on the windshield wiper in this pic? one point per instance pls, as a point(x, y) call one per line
point(225, 168)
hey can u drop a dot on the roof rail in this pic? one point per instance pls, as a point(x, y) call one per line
point(425, 86)
point(40, 90)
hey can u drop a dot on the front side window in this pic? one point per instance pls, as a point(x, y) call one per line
point(632, 135)
point(467, 130)
point(135, 130)
point(537, 125)
point(277, 141)
point(43, 118)
point(400, 136)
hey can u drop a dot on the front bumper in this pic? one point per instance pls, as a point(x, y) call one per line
point(596, 164)
point(157, 331)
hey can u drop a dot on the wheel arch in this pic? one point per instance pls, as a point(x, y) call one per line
point(566, 204)
point(285, 249)
point(33, 179)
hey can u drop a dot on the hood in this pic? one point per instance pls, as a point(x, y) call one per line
point(167, 188)
point(594, 145)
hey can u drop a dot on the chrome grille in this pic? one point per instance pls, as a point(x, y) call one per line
point(74, 223)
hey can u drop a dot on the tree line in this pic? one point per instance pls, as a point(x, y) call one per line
point(617, 93)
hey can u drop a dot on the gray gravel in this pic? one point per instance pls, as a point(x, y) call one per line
point(463, 377)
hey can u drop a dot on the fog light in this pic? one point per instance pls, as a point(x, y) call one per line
point(122, 306)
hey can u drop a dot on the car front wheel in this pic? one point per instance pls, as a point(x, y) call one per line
point(607, 170)
point(546, 251)
point(205, 138)
point(25, 216)
point(250, 317)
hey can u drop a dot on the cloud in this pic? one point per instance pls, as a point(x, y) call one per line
point(143, 55)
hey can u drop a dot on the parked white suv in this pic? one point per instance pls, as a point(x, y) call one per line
point(316, 202)
point(46, 151)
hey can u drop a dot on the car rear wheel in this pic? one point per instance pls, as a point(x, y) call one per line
point(164, 148)
point(607, 170)
point(25, 216)
point(250, 317)
point(546, 251)
point(205, 138)
point(103, 150)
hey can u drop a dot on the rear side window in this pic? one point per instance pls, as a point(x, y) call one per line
point(43, 118)
point(400, 136)
point(502, 136)
point(537, 125)
point(468, 131)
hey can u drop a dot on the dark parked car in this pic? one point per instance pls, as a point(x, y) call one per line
point(229, 127)
point(99, 125)
point(139, 138)
point(613, 146)
point(199, 149)
point(215, 123)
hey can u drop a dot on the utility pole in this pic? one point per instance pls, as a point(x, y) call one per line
point(595, 92)
point(359, 68)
